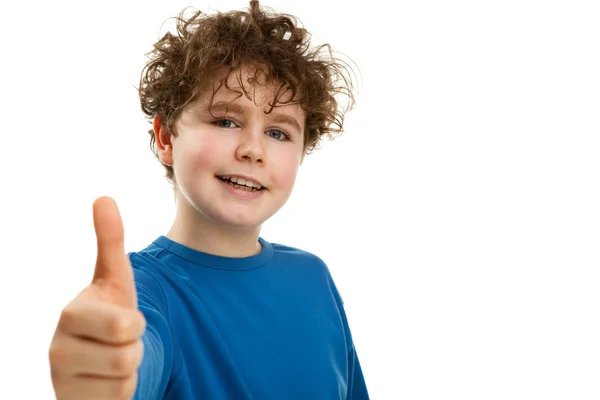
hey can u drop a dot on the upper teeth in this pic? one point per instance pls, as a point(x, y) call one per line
point(242, 181)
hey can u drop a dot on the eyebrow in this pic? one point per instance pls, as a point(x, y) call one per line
point(226, 107)
point(286, 119)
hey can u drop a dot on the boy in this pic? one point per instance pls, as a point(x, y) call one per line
point(211, 310)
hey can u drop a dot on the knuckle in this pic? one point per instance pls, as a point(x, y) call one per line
point(141, 349)
point(125, 389)
point(57, 355)
point(61, 388)
point(143, 322)
point(117, 327)
point(123, 362)
point(68, 317)
point(139, 353)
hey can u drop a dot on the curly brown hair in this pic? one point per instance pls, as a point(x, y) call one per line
point(182, 65)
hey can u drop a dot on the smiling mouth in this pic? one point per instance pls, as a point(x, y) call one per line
point(240, 183)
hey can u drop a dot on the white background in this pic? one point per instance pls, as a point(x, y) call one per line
point(459, 213)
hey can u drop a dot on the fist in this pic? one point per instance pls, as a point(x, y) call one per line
point(97, 348)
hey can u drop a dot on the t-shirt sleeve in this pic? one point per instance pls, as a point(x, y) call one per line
point(357, 388)
point(157, 364)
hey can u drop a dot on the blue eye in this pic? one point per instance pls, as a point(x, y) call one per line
point(277, 134)
point(225, 123)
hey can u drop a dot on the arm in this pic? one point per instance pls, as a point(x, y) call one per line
point(357, 388)
point(157, 363)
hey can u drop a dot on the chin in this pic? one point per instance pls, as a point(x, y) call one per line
point(241, 224)
point(240, 220)
point(242, 216)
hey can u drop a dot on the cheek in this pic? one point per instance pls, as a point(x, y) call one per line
point(290, 178)
point(287, 169)
point(202, 155)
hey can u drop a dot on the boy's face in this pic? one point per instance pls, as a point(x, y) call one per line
point(241, 142)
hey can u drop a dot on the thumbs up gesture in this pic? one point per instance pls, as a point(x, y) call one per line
point(97, 348)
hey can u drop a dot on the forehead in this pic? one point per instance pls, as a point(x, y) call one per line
point(251, 83)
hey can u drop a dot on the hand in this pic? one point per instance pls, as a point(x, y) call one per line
point(97, 348)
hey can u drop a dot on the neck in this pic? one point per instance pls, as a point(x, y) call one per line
point(200, 233)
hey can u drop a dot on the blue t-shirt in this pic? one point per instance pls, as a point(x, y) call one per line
point(269, 326)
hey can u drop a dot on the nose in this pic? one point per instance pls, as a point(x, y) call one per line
point(250, 147)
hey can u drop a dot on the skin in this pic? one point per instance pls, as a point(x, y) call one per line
point(97, 348)
point(247, 141)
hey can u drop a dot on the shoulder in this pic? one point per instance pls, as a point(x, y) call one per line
point(149, 262)
point(296, 255)
point(311, 260)
point(149, 277)
point(305, 262)
point(145, 267)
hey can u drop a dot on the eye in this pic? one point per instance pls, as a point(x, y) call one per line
point(225, 123)
point(278, 134)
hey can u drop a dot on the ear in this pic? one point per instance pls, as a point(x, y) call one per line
point(164, 145)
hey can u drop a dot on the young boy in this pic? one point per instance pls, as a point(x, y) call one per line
point(211, 310)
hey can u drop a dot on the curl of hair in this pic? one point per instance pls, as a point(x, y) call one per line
point(183, 64)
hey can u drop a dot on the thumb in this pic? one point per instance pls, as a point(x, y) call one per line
point(113, 275)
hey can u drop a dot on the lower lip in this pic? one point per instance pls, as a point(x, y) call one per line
point(244, 194)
